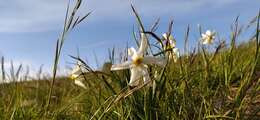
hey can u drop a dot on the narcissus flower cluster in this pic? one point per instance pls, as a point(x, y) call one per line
point(139, 60)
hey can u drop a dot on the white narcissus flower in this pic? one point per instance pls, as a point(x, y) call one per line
point(169, 39)
point(138, 63)
point(175, 53)
point(76, 73)
point(208, 37)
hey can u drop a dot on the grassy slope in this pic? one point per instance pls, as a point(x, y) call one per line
point(196, 87)
point(186, 90)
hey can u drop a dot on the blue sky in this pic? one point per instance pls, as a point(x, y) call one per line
point(29, 28)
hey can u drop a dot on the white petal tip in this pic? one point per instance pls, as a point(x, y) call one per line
point(113, 67)
point(79, 83)
point(164, 35)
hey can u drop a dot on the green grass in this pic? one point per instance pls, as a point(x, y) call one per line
point(208, 83)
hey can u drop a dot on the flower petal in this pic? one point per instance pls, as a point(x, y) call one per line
point(176, 51)
point(122, 66)
point(173, 43)
point(208, 33)
point(136, 74)
point(78, 69)
point(131, 51)
point(79, 83)
point(146, 76)
point(153, 60)
point(165, 36)
point(205, 42)
point(203, 36)
point(171, 37)
point(143, 45)
point(74, 76)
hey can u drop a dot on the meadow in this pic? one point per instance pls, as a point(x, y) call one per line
point(215, 80)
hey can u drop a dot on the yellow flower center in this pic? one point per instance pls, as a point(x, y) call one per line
point(210, 37)
point(137, 60)
point(73, 77)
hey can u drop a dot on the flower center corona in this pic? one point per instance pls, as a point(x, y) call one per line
point(73, 77)
point(210, 37)
point(137, 60)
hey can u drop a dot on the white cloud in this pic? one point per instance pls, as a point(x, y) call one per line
point(45, 15)
point(31, 15)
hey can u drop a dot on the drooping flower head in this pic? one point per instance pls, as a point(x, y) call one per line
point(208, 37)
point(171, 44)
point(76, 74)
point(138, 63)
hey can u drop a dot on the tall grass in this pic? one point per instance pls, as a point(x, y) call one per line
point(220, 81)
point(70, 22)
